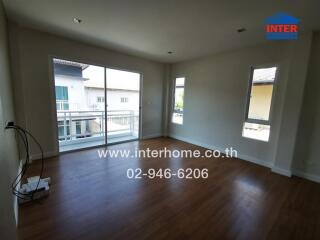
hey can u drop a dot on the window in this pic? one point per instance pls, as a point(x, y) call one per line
point(88, 131)
point(100, 99)
point(62, 98)
point(78, 129)
point(64, 130)
point(257, 123)
point(124, 100)
point(87, 126)
point(177, 114)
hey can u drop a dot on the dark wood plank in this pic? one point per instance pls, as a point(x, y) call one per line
point(92, 198)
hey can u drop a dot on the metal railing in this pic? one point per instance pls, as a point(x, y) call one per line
point(62, 105)
point(84, 126)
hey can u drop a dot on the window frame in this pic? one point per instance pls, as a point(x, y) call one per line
point(100, 99)
point(249, 90)
point(174, 99)
point(62, 87)
point(125, 99)
point(63, 102)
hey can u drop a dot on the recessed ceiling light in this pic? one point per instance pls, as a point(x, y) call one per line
point(240, 30)
point(170, 52)
point(77, 20)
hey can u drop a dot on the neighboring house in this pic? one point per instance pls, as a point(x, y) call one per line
point(117, 99)
point(82, 99)
point(261, 95)
point(69, 84)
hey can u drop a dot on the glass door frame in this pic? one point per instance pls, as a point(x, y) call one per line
point(54, 107)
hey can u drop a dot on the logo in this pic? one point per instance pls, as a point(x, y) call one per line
point(282, 26)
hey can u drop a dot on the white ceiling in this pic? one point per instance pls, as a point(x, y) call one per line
point(151, 28)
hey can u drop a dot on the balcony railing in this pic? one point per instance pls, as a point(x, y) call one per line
point(62, 105)
point(85, 126)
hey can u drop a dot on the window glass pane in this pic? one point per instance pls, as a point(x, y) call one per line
point(61, 93)
point(65, 93)
point(257, 125)
point(61, 130)
point(65, 106)
point(180, 82)
point(256, 131)
point(58, 93)
point(80, 103)
point(62, 98)
point(178, 105)
point(177, 116)
point(261, 93)
point(78, 127)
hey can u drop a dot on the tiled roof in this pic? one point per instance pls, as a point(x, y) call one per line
point(70, 63)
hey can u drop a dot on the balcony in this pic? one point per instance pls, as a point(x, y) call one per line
point(83, 129)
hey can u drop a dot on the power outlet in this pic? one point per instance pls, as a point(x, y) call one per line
point(10, 124)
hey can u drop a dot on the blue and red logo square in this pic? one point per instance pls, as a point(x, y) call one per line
point(282, 26)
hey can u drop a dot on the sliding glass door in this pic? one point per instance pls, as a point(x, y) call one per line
point(123, 105)
point(94, 105)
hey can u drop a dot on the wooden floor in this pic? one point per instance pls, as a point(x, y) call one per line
point(91, 198)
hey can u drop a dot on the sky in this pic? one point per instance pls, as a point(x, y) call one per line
point(115, 78)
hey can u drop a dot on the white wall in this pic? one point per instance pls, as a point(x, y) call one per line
point(293, 98)
point(215, 100)
point(307, 152)
point(113, 99)
point(30, 51)
point(8, 152)
point(91, 98)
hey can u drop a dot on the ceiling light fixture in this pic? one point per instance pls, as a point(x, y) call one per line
point(240, 30)
point(77, 20)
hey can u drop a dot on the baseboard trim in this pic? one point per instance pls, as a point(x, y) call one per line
point(240, 156)
point(45, 155)
point(281, 171)
point(254, 160)
point(156, 135)
point(308, 176)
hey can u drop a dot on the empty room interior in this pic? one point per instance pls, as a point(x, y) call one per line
point(162, 119)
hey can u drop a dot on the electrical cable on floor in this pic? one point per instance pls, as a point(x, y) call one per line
point(24, 168)
point(23, 133)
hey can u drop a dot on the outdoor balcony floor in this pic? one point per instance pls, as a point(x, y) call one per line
point(93, 143)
